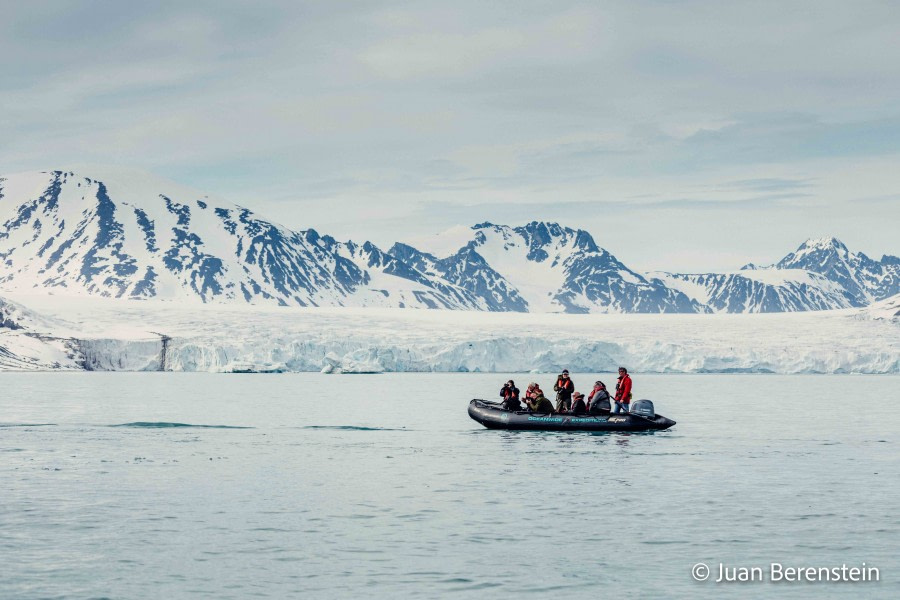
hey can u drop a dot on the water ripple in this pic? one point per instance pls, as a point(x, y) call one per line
point(165, 425)
point(350, 428)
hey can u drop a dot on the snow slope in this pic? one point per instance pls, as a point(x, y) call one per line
point(126, 238)
point(226, 338)
point(822, 274)
point(889, 308)
point(24, 348)
point(863, 279)
point(755, 291)
point(545, 268)
point(130, 235)
point(134, 236)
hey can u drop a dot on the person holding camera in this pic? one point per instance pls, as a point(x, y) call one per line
point(536, 401)
point(510, 394)
point(564, 388)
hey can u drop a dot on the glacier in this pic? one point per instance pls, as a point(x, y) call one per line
point(105, 334)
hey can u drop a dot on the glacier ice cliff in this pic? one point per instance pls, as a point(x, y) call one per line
point(396, 340)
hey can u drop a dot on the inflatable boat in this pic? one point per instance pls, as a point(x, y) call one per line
point(493, 416)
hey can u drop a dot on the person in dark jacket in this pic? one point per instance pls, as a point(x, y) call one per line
point(623, 392)
point(510, 394)
point(564, 388)
point(578, 405)
point(599, 400)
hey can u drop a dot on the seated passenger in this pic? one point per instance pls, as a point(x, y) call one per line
point(510, 394)
point(578, 406)
point(538, 403)
point(599, 400)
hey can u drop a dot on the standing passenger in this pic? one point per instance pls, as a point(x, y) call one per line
point(564, 388)
point(623, 391)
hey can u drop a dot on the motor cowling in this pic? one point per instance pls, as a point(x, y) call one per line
point(643, 408)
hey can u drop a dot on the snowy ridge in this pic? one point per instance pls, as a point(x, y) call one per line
point(821, 275)
point(545, 267)
point(864, 280)
point(137, 237)
point(14, 317)
point(756, 291)
point(467, 269)
point(393, 283)
point(133, 236)
point(889, 308)
point(23, 348)
point(63, 233)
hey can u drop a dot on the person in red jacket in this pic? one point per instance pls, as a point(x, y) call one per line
point(623, 391)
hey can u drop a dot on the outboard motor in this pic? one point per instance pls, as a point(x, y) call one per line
point(643, 408)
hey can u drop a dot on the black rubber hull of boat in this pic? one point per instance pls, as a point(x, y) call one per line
point(492, 416)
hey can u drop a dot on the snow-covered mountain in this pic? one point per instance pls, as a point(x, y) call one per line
point(545, 267)
point(134, 236)
point(821, 275)
point(863, 279)
point(551, 268)
point(467, 269)
point(61, 231)
point(761, 290)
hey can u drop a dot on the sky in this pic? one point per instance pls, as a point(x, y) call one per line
point(684, 136)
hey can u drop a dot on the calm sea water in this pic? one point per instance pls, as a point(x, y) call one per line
point(321, 486)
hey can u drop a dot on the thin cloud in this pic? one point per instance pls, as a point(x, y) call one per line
point(769, 184)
